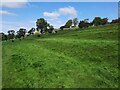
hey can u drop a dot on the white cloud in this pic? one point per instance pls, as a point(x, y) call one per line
point(54, 17)
point(68, 11)
point(14, 3)
point(3, 12)
point(51, 15)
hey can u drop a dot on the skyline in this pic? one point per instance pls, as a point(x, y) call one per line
point(24, 14)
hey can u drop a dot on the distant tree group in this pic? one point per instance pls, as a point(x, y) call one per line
point(98, 21)
point(83, 24)
point(115, 21)
point(44, 27)
point(104, 21)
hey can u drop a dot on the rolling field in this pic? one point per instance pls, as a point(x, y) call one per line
point(68, 59)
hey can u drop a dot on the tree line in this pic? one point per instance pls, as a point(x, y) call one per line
point(85, 23)
point(44, 27)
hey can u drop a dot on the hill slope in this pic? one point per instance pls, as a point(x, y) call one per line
point(68, 59)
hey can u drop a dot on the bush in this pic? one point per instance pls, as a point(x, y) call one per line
point(37, 34)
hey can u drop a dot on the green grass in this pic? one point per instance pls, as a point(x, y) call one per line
point(69, 59)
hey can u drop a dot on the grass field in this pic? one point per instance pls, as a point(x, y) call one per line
point(68, 59)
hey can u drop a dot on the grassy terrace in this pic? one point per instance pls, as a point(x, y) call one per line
point(68, 59)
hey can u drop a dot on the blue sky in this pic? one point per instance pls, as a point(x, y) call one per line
point(24, 14)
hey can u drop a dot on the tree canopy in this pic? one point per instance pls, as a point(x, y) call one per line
point(31, 31)
point(68, 23)
point(41, 24)
point(11, 34)
point(75, 22)
point(97, 21)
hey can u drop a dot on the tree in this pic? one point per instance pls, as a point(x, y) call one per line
point(62, 27)
point(51, 28)
point(4, 36)
point(31, 31)
point(75, 22)
point(41, 24)
point(47, 27)
point(104, 21)
point(68, 24)
point(11, 35)
point(21, 33)
point(83, 24)
point(97, 21)
point(91, 24)
point(11, 32)
point(116, 21)
point(86, 20)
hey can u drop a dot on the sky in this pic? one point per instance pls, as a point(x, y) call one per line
point(17, 15)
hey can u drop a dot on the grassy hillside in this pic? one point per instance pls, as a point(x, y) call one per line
point(68, 59)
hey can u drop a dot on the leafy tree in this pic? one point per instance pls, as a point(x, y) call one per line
point(104, 21)
point(47, 27)
point(21, 33)
point(68, 24)
point(37, 33)
point(83, 24)
point(116, 21)
point(11, 32)
point(4, 36)
point(31, 31)
point(51, 28)
point(41, 24)
point(97, 21)
point(91, 24)
point(86, 20)
point(75, 22)
point(62, 27)
point(11, 35)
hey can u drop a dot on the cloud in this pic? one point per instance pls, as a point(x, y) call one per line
point(3, 12)
point(51, 15)
point(68, 11)
point(54, 17)
point(14, 3)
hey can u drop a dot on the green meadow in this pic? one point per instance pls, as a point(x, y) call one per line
point(76, 58)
